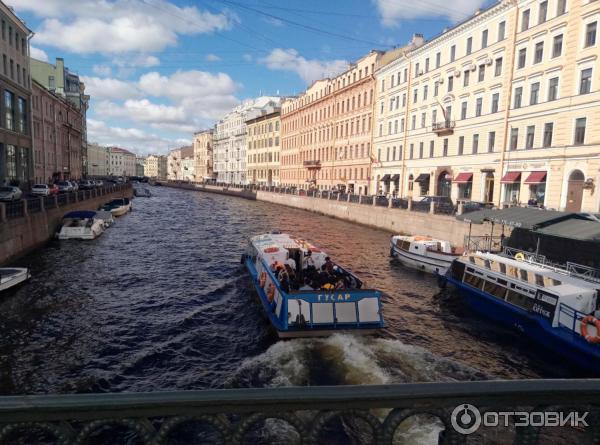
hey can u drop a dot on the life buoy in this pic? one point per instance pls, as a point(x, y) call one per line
point(263, 279)
point(520, 257)
point(590, 319)
point(271, 292)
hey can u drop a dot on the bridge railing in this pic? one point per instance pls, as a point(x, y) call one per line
point(233, 416)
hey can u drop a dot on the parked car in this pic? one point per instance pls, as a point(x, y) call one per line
point(443, 204)
point(75, 185)
point(65, 186)
point(40, 190)
point(86, 185)
point(473, 206)
point(10, 193)
point(53, 188)
point(99, 183)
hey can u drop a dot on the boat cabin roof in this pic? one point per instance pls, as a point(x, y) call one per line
point(80, 214)
point(276, 246)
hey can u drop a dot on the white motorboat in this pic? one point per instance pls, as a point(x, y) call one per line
point(11, 276)
point(84, 225)
point(424, 253)
point(107, 217)
point(118, 207)
point(140, 192)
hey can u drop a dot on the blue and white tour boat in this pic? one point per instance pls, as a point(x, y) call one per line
point(305, 294)
point(555, 307)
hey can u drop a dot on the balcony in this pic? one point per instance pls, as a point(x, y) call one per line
point(443, 128)
point(312, 165)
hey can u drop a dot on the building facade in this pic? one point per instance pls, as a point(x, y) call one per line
point(155, 167)
point(264, 146)
point(188, 164)
point(121, 162)
point(16, 155)
point(140, 169)
point(501, 109)
point(174, 165)
point(57, 137)
point(203, 155)
point(229, 152)
point(98, 160)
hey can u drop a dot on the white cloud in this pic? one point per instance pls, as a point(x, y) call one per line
point(38, 54)
point(119, 26)
point(212, 58)
point(309, 70)
point(247, 57)
point(138, 61)
point(393, 11)
point(109, 88)
point(186, 84)
point(102, 70)
point(142, 111)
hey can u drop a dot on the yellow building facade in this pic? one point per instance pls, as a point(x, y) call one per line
point(502, 108)
point(203, 155)
point(264, 146)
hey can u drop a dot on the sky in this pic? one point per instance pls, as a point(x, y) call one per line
point(159, 70)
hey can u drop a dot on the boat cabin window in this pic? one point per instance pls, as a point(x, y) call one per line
point(539, 280)
point(473, 281)
point(487, 264)
point(472, 260)
point(503, 268)
point(523, 274)
point(495, 289)
point(519, 300)
point(458, 269)
point(404, 245)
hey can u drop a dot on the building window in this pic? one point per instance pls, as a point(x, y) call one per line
point(539, 52)
point(498, 69)
point(415, 95)
point(484, 39)
point(548, 130)
point(590, 34)
point(11, 162)
point(421, 150)
point(9, 119)
point(495, 102)
point(450, 83)
point(530, 137)
point(22, 115)
point(436, 89)
point(425, 91)
point(580, 131)
point(423, 119)
point(553, 89)
point(561, 7)
point(412, 149)
point(518, 97)
point(522, 58)
point(501, 30)
point(461, 145)
point(469, 45)
point(491, 141)
point(452, 53)
point(466, 76)
point(431, 149)
point(557, 45)
point(414, 122)
point(438, 60)
point(478, 106)
point(525, 20)
point(543, 13)
point(475, 143)
point(463, 110)
point(535, 93)
point(481, 73)
point(585, 85)
point(514, 138)
point(445, 150)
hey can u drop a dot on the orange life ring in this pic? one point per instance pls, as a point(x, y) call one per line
point(590, 319)
point(271, 292)
point(263, 279)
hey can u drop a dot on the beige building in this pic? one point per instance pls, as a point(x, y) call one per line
point(155, 167)
point(262, 154)
point(121, 162)
point(98, 160)
point(203, 155)
point(188, 164)
point(174, 165)
point(502, 108)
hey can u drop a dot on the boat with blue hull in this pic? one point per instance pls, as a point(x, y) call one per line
point(330, 300)
point(552, 306)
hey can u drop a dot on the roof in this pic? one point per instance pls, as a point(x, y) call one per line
point(521, 217)
point(575, 229)
point(121, 150)
point(80, 214)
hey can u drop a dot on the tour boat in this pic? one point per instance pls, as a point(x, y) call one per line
point(11, 276)
point(318, 308)
point(554, 307)
point(118, 207)
point(424, 253)
point(85, 225)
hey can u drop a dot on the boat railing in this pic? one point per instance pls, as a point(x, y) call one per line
point(486, 243)
point(570, 318)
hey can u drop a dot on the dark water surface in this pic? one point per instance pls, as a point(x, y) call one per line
point(160, 302)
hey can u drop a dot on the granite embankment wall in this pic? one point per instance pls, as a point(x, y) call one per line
point(229, 191)
point(394, 220)
point(20, 235)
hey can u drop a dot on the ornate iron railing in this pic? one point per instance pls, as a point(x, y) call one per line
point(233, 415)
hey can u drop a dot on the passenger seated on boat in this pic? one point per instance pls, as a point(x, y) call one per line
point(292, 277)
point(340, 284)
point(308, 263)
point(323, 277)
point(329, 265)
point(307, 284)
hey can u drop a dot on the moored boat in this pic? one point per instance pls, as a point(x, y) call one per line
point(324, 297)
point(118, 207)
point(106, 217)
point(424, 253)
point(12, 276)
point(142, 192)
point(84, 225)
point(554, 307)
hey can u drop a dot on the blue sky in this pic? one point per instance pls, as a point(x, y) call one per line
point(158, 70)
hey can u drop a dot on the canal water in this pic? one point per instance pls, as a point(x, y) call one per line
point(160, 302)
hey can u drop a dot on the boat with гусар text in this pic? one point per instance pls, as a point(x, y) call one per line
point(424, 253)
point(318, 299)
point(553, 306)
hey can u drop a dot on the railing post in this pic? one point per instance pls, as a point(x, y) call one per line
point(56, 201)
point(460, 208)
point(2, 212)
point(42, 205)
point(360, 199)
point(348, 197)
point(25, 209)
point(374, 200)
point(432, 207)
point(338, 196)
point(390, 199)
point(409, 204)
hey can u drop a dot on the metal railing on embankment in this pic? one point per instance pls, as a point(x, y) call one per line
point(236, 416)
point(31, 205)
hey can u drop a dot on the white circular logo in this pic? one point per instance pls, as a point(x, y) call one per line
point(466, 419)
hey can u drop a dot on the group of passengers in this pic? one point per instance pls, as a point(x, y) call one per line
point(328, 277)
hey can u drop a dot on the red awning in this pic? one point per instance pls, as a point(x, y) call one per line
point(511, 178)
point(463, 178)
point(536, 178)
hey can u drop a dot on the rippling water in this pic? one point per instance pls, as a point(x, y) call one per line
point(161, 302)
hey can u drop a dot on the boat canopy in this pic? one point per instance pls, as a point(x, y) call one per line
point(80, 214)
point(278, 247)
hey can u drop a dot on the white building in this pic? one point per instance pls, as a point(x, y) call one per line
point(229, 152)
point(188, 164)
point(121, 162)
point(98, 160)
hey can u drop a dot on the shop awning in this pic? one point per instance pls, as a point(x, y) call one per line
point(386, 178)
point(395, 178)
point(463, 178)
point(423, 177)
point(536, 178)
point(511, 178)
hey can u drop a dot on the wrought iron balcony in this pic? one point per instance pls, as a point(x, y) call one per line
point(234, 416)
point(443, 128)
point(312, 165)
